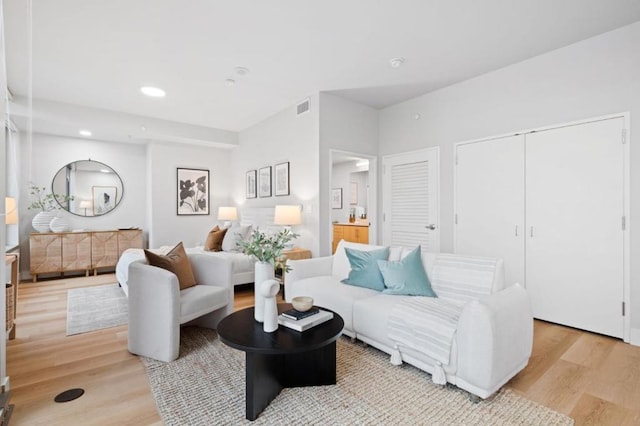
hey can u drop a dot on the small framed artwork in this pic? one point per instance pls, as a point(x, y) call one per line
point(282, 179)
point(251, 184)
point(336, 198)
point(264, 182)
point(192, 192)
point(354, 193)
point(104, 199)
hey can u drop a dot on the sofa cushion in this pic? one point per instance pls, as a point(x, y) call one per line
point(364, 268)
point(340, 264)
point(201, 299)
point(328, 292)
point(406, 276)
point(175, 261)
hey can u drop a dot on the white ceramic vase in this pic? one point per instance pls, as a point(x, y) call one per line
point(263, 272)
point(59, 224)
point(269, 290)
point(41, 221)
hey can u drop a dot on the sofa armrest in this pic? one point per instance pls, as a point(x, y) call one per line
point(307, 268)
point(495, 338)
point(154, 311)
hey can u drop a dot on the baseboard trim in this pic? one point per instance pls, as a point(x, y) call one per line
point(634, 336)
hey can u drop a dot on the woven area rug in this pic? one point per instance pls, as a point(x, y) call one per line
point(95, 308)
point(205, 386)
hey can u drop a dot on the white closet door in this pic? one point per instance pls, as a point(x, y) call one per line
point(574, 207)
point(490, 202)
point(411, 200)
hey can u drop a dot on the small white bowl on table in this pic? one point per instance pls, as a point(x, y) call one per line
point(302, 303)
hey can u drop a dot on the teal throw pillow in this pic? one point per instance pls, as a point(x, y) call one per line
point(406, 276)
point(364, 269)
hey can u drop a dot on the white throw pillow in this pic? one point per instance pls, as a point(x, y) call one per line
point(233, 235)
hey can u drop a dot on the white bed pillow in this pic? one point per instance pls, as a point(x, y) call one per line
point(233, 235)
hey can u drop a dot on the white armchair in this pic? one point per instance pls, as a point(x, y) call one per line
point(157, 306)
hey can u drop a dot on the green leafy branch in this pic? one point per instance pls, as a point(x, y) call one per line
point(267, 248)
point(46, 202)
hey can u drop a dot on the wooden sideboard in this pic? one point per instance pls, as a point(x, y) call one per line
point(355, 233)
point(61, 252)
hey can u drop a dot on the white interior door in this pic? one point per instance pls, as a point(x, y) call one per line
point(489, 200)
point(411, 200)
point(574, 209)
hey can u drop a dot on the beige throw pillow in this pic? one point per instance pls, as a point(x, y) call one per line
point(175, 261)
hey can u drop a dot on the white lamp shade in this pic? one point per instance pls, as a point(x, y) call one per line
point(227, 213)
point(84, 204)
point(11, 211)
point(288, 215)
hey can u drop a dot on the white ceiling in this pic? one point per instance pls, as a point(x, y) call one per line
point(98, 53)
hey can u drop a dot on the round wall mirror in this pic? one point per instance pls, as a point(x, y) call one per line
point(95, 187)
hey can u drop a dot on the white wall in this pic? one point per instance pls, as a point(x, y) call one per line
point(591, 78)
point(340, 178)
point(343, 174)
point(351, 127)
point(283, 137)
point(50, 153)
point(164, 225)
point(362, 180)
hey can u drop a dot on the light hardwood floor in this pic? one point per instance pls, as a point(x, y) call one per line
point(594, 379)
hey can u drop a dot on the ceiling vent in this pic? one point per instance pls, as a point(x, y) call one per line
point(302, 107)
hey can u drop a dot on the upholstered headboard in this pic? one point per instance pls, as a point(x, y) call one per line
point(261, 217)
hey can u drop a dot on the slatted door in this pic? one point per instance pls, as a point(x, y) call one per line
point(411, 200)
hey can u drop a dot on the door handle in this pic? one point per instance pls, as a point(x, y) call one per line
point(532, 231)
point(432, 227)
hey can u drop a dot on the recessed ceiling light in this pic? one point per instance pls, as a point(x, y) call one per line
point(85, 133)
point(230, 82)
point(154, 92)
point(242, 70)
point(396, 62)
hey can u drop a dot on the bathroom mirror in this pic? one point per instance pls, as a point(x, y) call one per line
point(95, 187)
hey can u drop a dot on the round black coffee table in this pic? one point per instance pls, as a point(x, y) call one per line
point(282, 359)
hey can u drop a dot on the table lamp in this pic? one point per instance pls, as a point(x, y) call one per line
point(228, 214)
point(288, 215)
point(11, 211)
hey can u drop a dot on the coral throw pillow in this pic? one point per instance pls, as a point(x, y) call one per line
point(175, 261)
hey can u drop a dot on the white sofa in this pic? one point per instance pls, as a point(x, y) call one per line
point(493, 336)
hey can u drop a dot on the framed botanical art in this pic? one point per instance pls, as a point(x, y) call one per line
point(336, 198)
point(264, 182)
point(104, 199)
point(251, 184)
point(192, 192)
point(282, 179)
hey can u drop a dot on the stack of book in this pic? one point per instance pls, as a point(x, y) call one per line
point(301, 321)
